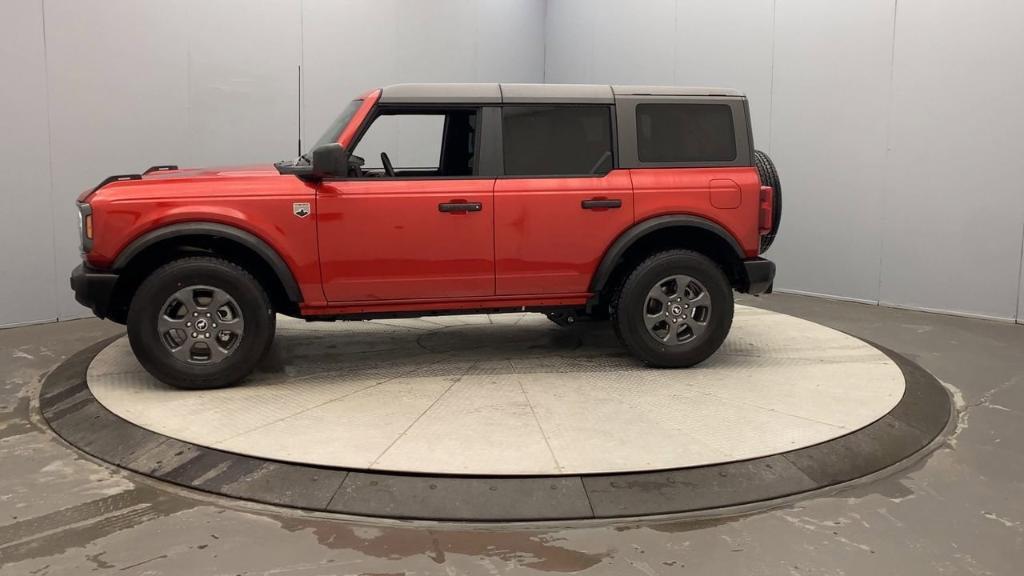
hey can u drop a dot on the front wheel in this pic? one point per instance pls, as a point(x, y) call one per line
point(674, 310)
point(200, 323)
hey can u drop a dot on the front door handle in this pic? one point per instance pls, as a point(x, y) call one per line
point(457, 207)
point(599, 203)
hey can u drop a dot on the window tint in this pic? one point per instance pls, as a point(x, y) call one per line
point(556, 140)
point(685, 133)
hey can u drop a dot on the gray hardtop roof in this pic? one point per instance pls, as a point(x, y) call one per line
point(493, 93)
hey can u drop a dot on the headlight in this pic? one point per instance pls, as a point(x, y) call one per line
point(85, 231)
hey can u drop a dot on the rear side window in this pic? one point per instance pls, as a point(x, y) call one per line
point(557, 140)
point(685, 133)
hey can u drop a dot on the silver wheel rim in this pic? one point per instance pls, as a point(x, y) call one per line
point(200, 325)
point(677, 310)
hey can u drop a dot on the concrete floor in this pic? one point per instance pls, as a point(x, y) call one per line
point(959, 511)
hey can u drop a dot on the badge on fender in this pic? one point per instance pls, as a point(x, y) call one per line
point(300, 209)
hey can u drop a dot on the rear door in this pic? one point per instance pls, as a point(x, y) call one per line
point(560, 202)
point(417, 223)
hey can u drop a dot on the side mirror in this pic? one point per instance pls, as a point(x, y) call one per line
point(329, 160)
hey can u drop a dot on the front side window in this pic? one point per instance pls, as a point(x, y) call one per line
point(685, 133)
point(419, 143)
point(557, 140)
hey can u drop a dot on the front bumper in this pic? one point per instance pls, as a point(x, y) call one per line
point(93, 288)
point(760, 275)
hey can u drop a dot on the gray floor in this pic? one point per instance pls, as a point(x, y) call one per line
point(959, 511)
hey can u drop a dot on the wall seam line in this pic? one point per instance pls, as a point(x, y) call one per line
point(54, 304)
point(1020, 277)
point(771, 80)
point(544, 45)
point(888, 146)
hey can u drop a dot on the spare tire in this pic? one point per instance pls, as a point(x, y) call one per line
point(769, 177)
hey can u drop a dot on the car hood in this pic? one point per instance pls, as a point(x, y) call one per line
point(215, 172)
point(184, 175)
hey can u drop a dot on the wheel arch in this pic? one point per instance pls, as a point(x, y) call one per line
point(156, 247)
point(664, 232)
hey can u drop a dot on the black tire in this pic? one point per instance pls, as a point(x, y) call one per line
point(770, 177)
point(147, 307)
point(630, 308)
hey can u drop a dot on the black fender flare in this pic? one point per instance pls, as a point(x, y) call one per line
point(216, 230)
point(645, 227)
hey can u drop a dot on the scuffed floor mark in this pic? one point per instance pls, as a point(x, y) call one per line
point(961, 413)
point(535, 550)
point(16, 422)
point(98, 561)
point(830, 528)
point(77, 526)
point(1001, 520)
point(963, 408)
point(147, 561)
point(20, 354)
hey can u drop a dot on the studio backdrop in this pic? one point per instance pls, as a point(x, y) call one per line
point(895, 124)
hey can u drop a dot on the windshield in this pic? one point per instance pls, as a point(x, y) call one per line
point(334, 130)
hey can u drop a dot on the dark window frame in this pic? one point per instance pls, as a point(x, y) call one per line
point(628, 145)
point(499, 134)
point(652, 108)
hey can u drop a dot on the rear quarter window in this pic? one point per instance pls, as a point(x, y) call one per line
point(685, 133)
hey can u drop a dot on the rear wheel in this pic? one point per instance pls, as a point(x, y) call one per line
point(200, 323)
point(674, 310)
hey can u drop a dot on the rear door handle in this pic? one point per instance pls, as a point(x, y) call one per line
point(596, 203)
point(459, 207)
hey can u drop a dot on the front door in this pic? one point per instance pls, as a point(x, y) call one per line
point(416, 222)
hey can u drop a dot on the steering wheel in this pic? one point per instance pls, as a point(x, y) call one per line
point(388, 168)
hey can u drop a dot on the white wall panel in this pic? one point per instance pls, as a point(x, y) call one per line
point(684, 42)
point(831, 93)
point(610, 42)
point(510, 46)
point(727, 43)
point(131, 83)
point(899, 164)
point(342, 57)
point(243, 81)
point(954, 199)
point(118, 102)
point(444, 41)
point(27, 288)
point(899, 179)
point(633, 42)
point(569, 41)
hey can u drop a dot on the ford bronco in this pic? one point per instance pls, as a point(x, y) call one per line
point(643, 205)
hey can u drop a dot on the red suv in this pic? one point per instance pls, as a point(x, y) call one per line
point(645, 205)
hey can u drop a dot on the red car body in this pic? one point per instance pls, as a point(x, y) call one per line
point(360, 247)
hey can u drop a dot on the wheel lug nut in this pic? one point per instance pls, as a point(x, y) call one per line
point(189, 324)
point(207, 335)
point(194, 335)
point(195, 313)
point(207, 314)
